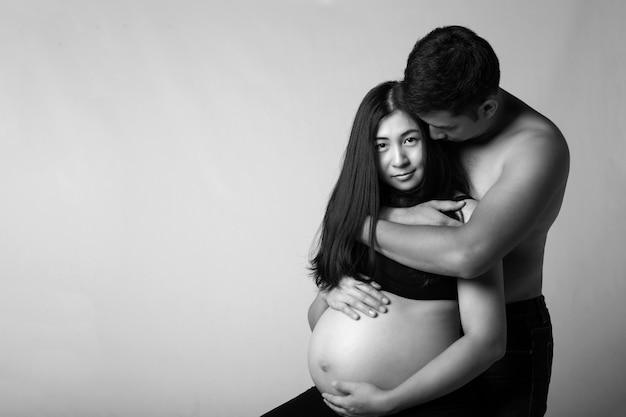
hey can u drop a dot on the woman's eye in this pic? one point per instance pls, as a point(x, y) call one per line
point(410, 140)
point(381, 146)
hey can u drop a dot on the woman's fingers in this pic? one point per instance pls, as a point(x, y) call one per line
point(365, 308)
point(373, 296)
point(348, 311)
point(338, 410)
point(446, 205)
point(352, 297)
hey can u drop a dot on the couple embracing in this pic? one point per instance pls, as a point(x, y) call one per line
point(430, 257)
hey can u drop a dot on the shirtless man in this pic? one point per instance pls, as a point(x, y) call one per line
point(517, 162)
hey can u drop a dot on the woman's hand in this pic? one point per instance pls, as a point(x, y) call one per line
point(358, 399)
point(352, 296)
point(429, 213)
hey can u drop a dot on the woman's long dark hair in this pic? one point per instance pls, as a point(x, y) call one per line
point(358, 192)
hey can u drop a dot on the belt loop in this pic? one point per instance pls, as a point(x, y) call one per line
point(542, 307)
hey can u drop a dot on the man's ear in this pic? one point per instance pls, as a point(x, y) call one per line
point(488, 108)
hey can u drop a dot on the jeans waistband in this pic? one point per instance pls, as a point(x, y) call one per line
point(533, 308)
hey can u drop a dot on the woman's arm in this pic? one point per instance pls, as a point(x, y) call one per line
point(481, 305)
point(483, 317)
point(316, 309)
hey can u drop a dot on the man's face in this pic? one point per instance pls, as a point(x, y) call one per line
point(444, 126)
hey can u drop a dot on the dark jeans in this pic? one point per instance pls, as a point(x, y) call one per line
point(517, 385)
point(460, 403)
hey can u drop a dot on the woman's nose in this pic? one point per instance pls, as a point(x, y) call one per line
point(399, 157)
point(436, 133)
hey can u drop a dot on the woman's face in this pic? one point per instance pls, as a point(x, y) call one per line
point(400, 151)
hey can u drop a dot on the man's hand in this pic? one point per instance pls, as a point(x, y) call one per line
point(430, 213)
point(352, 296)
point(358, 399)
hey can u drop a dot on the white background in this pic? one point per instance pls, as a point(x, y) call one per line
point(164, 167)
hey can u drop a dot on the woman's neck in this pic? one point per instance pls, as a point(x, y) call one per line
point(399, 198)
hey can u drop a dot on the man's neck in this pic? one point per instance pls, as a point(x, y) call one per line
point(507, 111)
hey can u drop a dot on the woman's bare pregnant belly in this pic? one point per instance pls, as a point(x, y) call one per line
point(384, 350)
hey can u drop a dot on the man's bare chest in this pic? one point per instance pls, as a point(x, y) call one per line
point(483, 167)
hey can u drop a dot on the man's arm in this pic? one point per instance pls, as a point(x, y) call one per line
point(531, 177)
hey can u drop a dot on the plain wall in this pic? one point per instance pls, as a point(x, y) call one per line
point(165, 165)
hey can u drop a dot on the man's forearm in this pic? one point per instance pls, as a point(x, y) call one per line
point(436, 249)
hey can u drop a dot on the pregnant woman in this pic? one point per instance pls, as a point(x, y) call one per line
point(438, 333)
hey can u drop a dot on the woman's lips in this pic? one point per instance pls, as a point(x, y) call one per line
point(405, 175)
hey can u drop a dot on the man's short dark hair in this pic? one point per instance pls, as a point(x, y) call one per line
point(450, 69)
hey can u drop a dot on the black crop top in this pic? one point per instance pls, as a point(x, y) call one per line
point(412, 283)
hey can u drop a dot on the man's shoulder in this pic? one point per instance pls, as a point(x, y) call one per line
point(531, 132)
point(530, 146)
point(535, 148)
point(527, 132)
point(525, 124)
